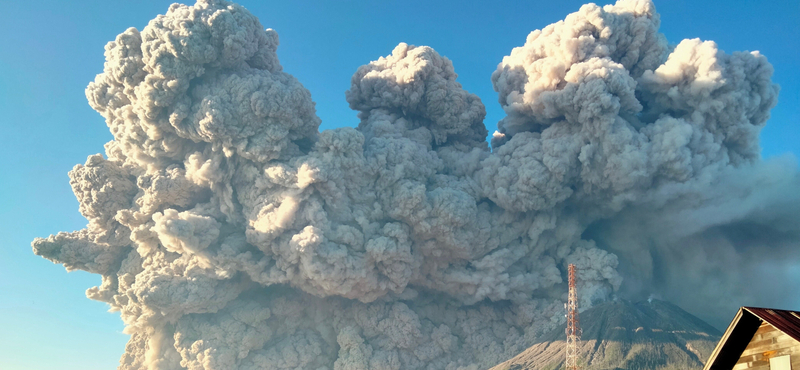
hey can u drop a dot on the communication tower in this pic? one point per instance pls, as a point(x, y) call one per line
point(573, 325)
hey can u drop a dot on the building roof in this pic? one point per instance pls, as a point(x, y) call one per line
point(783, 320)
point(742, 329)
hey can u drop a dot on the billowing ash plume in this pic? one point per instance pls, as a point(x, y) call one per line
point(230, 233)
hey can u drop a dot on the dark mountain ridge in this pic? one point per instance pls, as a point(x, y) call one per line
point(619, 334)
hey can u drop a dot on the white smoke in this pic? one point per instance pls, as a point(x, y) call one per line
point(230, 233)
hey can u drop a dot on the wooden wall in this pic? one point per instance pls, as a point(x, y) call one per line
point(768, 342)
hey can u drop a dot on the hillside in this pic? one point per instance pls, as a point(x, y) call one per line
point(652, 335)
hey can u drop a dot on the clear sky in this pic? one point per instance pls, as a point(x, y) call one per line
point(50, 50)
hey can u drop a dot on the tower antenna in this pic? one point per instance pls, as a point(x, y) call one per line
point(573, 324)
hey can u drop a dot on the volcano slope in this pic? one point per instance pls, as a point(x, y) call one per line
point(619, 334)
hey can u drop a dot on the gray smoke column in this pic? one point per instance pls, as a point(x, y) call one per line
point(231, 234)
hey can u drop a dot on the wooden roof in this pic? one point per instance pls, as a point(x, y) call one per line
point(783, 320)
point(742, 329)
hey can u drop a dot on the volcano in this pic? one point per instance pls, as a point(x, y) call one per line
point(619, 334)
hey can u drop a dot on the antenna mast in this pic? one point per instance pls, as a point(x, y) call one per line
point(573, 325)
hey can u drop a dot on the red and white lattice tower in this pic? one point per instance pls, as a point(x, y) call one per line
point(573, 326)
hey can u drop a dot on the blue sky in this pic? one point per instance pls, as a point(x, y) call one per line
point(50, 50)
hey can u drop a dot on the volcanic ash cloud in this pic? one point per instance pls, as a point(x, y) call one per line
point(231, 234)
